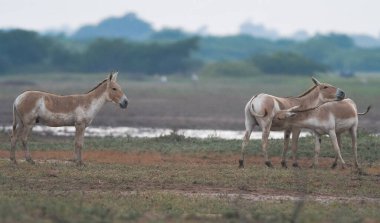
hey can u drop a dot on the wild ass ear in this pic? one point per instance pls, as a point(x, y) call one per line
point(291, 111)
point(316, 82)
point(114, 76)
point(284, 114)
point(293, 108)
point(290, 114)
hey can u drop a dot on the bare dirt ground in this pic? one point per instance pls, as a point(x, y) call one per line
point(155, 158)
point(144, 159)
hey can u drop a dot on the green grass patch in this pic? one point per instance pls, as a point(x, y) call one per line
point(164, 207)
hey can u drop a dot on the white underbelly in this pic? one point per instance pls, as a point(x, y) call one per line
point(319, 126)
point(57, 119)
point(344, 125)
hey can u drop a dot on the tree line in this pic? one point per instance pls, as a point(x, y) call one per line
point(333, 52)
point(22, 51)
point(171, 51)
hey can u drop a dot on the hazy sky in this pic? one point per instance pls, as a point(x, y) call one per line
point(220, 16)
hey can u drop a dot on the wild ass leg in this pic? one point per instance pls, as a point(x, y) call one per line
point(336, 146)
point(317, 150)
point(24, 139)
point(243, 145)
point(14, 139)
point(353, 133)
point(265, 137)
point(79, 135)
point(339, 139)
point(249, 124)
point(295, 136)
point(286, 147)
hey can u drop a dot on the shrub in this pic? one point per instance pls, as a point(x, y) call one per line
point(230, 69)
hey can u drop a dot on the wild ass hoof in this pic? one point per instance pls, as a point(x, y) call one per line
point(80, 163)
point(30, 160)
point(295, 165)
point(241, 163)
point(269, 164)
point(13, 160)
point(333, 166)
point(313, 166)
point(359, 171)
point(283, 164)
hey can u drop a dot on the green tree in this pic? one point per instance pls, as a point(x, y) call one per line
point(230, 69)
point(148, 58)
point(286, 63)
point(64, 59)
point(169, 35)
point(20, 48)
point(321, 48)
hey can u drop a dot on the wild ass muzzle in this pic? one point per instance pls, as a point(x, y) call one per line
point(53, 110)
point(262, 108)
point(332, 118)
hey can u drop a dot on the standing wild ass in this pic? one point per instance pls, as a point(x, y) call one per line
point(332, 118)
point(79, 110)
point(262, 108)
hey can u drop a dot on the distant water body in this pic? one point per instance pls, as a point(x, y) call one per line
point(149, 132)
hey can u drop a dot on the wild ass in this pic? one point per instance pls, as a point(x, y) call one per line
point(79, 110)
point(332, 118)
point(262, 108)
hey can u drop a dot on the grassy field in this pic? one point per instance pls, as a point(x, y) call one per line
point(176, 179)
point(209, 104)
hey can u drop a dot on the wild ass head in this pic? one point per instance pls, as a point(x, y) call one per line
point(328, 92)
point(114, 91)
point(322, 91)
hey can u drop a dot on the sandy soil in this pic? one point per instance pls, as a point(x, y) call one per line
point(155, 158)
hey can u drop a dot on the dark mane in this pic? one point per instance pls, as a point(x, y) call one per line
point(306, 92)
point(97, 85)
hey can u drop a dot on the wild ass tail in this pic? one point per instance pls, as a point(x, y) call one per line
point(257, 114)
point(14, 126)
point(252, 111)
point(363, 113)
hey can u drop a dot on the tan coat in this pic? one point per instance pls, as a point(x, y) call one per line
point(262, 108)
point(79, 110)
point(332, 118)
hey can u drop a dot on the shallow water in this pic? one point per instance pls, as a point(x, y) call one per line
point(103, 131)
